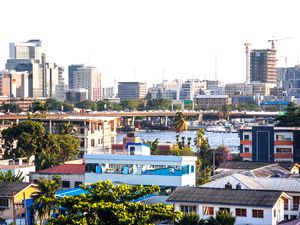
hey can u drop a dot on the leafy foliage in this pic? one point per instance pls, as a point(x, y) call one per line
point(44, 200)
point(87, 104)
point(30, 138)
point(223, 217)
point(153, 146)
point(107, 204)
point(190, 219)
point(10, 177)
point(291, 118)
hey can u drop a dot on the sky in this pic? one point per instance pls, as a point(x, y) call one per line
point(152, 40)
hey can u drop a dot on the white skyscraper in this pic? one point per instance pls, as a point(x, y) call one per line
point(90, 79)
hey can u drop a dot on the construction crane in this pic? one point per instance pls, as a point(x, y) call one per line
point(247, 44)
point(273, 41)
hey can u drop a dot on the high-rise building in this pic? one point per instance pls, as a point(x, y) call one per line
point(88, 78)
point(191, 88)
point(14, 84)
point(132, 90)
point(30, 56)
point(263, 65)
point(71, 70)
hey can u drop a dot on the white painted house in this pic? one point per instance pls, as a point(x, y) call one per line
point(251, 207)
point(139, 167)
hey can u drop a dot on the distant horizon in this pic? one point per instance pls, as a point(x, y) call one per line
point(150, 41)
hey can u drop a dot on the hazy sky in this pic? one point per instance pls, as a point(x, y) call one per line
point(139, 39)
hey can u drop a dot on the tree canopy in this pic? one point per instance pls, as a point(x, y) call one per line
point(30, 138)
point(106, 204)
point(291, 116)
point(10, 177)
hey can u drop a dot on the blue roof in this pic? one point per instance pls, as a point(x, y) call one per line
point(71, 192)
point(275, 103)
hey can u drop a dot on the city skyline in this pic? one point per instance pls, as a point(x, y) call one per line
point(151, 40)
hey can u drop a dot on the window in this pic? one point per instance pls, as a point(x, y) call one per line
point(192, 169)
point(65, 184)
point(112, 139)
point(241, 212)
point(3, 202)
point(208, 210)
point(256, 213)
point(132, 150)
point(224, 209)
point(283, 150)
point(92, 142)
point(274, 213)
point(286, 204)
point(246, 137)
point(296, 202)
point(77, 183)
point(188, 208)
point(246, 149)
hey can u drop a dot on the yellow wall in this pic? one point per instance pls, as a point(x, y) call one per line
point(28, 192)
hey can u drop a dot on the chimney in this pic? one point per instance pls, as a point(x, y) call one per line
point(238, 186)
point(228, 186)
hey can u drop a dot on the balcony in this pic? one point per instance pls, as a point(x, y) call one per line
point(283, 142)
point(245, 142)
point(246, 155)
point(283, 155)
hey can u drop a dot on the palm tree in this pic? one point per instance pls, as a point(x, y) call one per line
point(10, 177)
point(44, 199)
point(190, 219)
point(180, 122)
point(46, 160)
point(153, 146)
point(223, 217)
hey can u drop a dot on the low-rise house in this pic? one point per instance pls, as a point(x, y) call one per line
point(291, 186)
point(71, 175)
point(11, 196)
point(20, 165)
point(252, 207)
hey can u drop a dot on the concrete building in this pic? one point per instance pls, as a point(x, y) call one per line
point(269, 144)
point(14, 84)
point(134, 165)
point(20, 165)
point(7, 189)
point(191, 88)
point(253, 207)
point(206, 101)
point(109, 92)
point(233, 89)
point(291, 82)
point(132, 90)
point(291, 186)
point(97, 134)
point(24, 103)
point(88, 78)
point(263, 66)
point(30, 56)
point(71, 70)
point(77, 95)
point(72, 175)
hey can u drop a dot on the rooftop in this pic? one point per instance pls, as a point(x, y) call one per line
point(244, 197)
point(243, 165)
point(7, 188)
point(65, 169)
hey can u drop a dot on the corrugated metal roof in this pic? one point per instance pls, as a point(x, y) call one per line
point(244, 197)
point(245, 181)
point(65, 169)
point(7, 188)
point(283, 184)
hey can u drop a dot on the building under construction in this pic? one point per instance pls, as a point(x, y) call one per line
point(263, 65)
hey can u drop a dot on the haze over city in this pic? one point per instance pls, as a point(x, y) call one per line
point(152, 40)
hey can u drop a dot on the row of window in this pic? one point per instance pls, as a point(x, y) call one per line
point(207, 210)
point(278, 137)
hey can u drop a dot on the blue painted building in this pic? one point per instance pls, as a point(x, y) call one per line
point(270, 144)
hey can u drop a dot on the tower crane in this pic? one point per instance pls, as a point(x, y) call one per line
point(247, 44)
point(273, 41)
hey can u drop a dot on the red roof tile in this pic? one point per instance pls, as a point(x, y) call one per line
point(65, 169)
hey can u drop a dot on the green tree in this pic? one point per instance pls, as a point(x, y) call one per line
point(44, 200)
point(65, 128)
point(87, 104)
point(39, 106)
point(153, 146)
point(180, 123)
point(10, 177)
point(291, 117)
point(13, 108)
point(106, 204)
point(223, 217)
point(190, 219)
